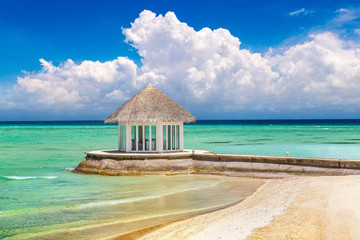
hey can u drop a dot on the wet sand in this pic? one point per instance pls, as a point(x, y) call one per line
point(295, 208)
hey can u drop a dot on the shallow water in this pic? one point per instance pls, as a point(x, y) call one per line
point(41, 199)
point(91, 206)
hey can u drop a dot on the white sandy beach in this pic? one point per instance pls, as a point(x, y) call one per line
point(295, 208)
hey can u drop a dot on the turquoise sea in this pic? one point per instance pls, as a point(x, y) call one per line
point(41, 199)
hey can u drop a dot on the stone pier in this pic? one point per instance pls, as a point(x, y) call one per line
point(113, 162)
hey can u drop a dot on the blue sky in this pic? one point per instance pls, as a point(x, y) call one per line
point(281, 32)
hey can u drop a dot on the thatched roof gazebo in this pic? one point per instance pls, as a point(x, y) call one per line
point(150, 121)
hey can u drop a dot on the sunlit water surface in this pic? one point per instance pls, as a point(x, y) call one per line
point(41, 199)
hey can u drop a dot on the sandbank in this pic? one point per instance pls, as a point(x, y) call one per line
point(326, 207)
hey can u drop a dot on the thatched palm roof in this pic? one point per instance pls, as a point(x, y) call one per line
point(150, 105)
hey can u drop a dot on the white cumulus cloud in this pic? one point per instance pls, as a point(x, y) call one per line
point(207, 70)
point(206, 65)
point(322, 72)
point(81, 84)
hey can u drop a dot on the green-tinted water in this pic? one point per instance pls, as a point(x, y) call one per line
point(41, 199)
point(327, 141)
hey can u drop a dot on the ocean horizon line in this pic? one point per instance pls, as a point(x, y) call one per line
point(198, 122)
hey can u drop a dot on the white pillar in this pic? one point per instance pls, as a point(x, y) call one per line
point(128, 137)
point(159, 137)
point(136, 137)
point(181, 130)
point(150, 138)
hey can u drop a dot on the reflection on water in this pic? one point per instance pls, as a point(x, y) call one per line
point(126, 204)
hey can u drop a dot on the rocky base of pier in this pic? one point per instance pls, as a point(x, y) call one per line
point(111, 162)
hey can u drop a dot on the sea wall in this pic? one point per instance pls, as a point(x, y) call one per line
point(111, 162)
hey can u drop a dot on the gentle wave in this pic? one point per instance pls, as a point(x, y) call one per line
point(70, 168)
point(114, 202)
point(141, 198)
point(29, 177)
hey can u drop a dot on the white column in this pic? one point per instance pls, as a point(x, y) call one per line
point(175, 137)
point(143, 138)
point(128, 137)
point(159, 137)
point(181, 132)
point(150, 138)
point(171, 136)
point(136, 137)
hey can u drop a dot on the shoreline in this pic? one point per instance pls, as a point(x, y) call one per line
point(147, 230)
point(323, 207)
point(207, 226)
point(139, 233)
point(144, 232)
